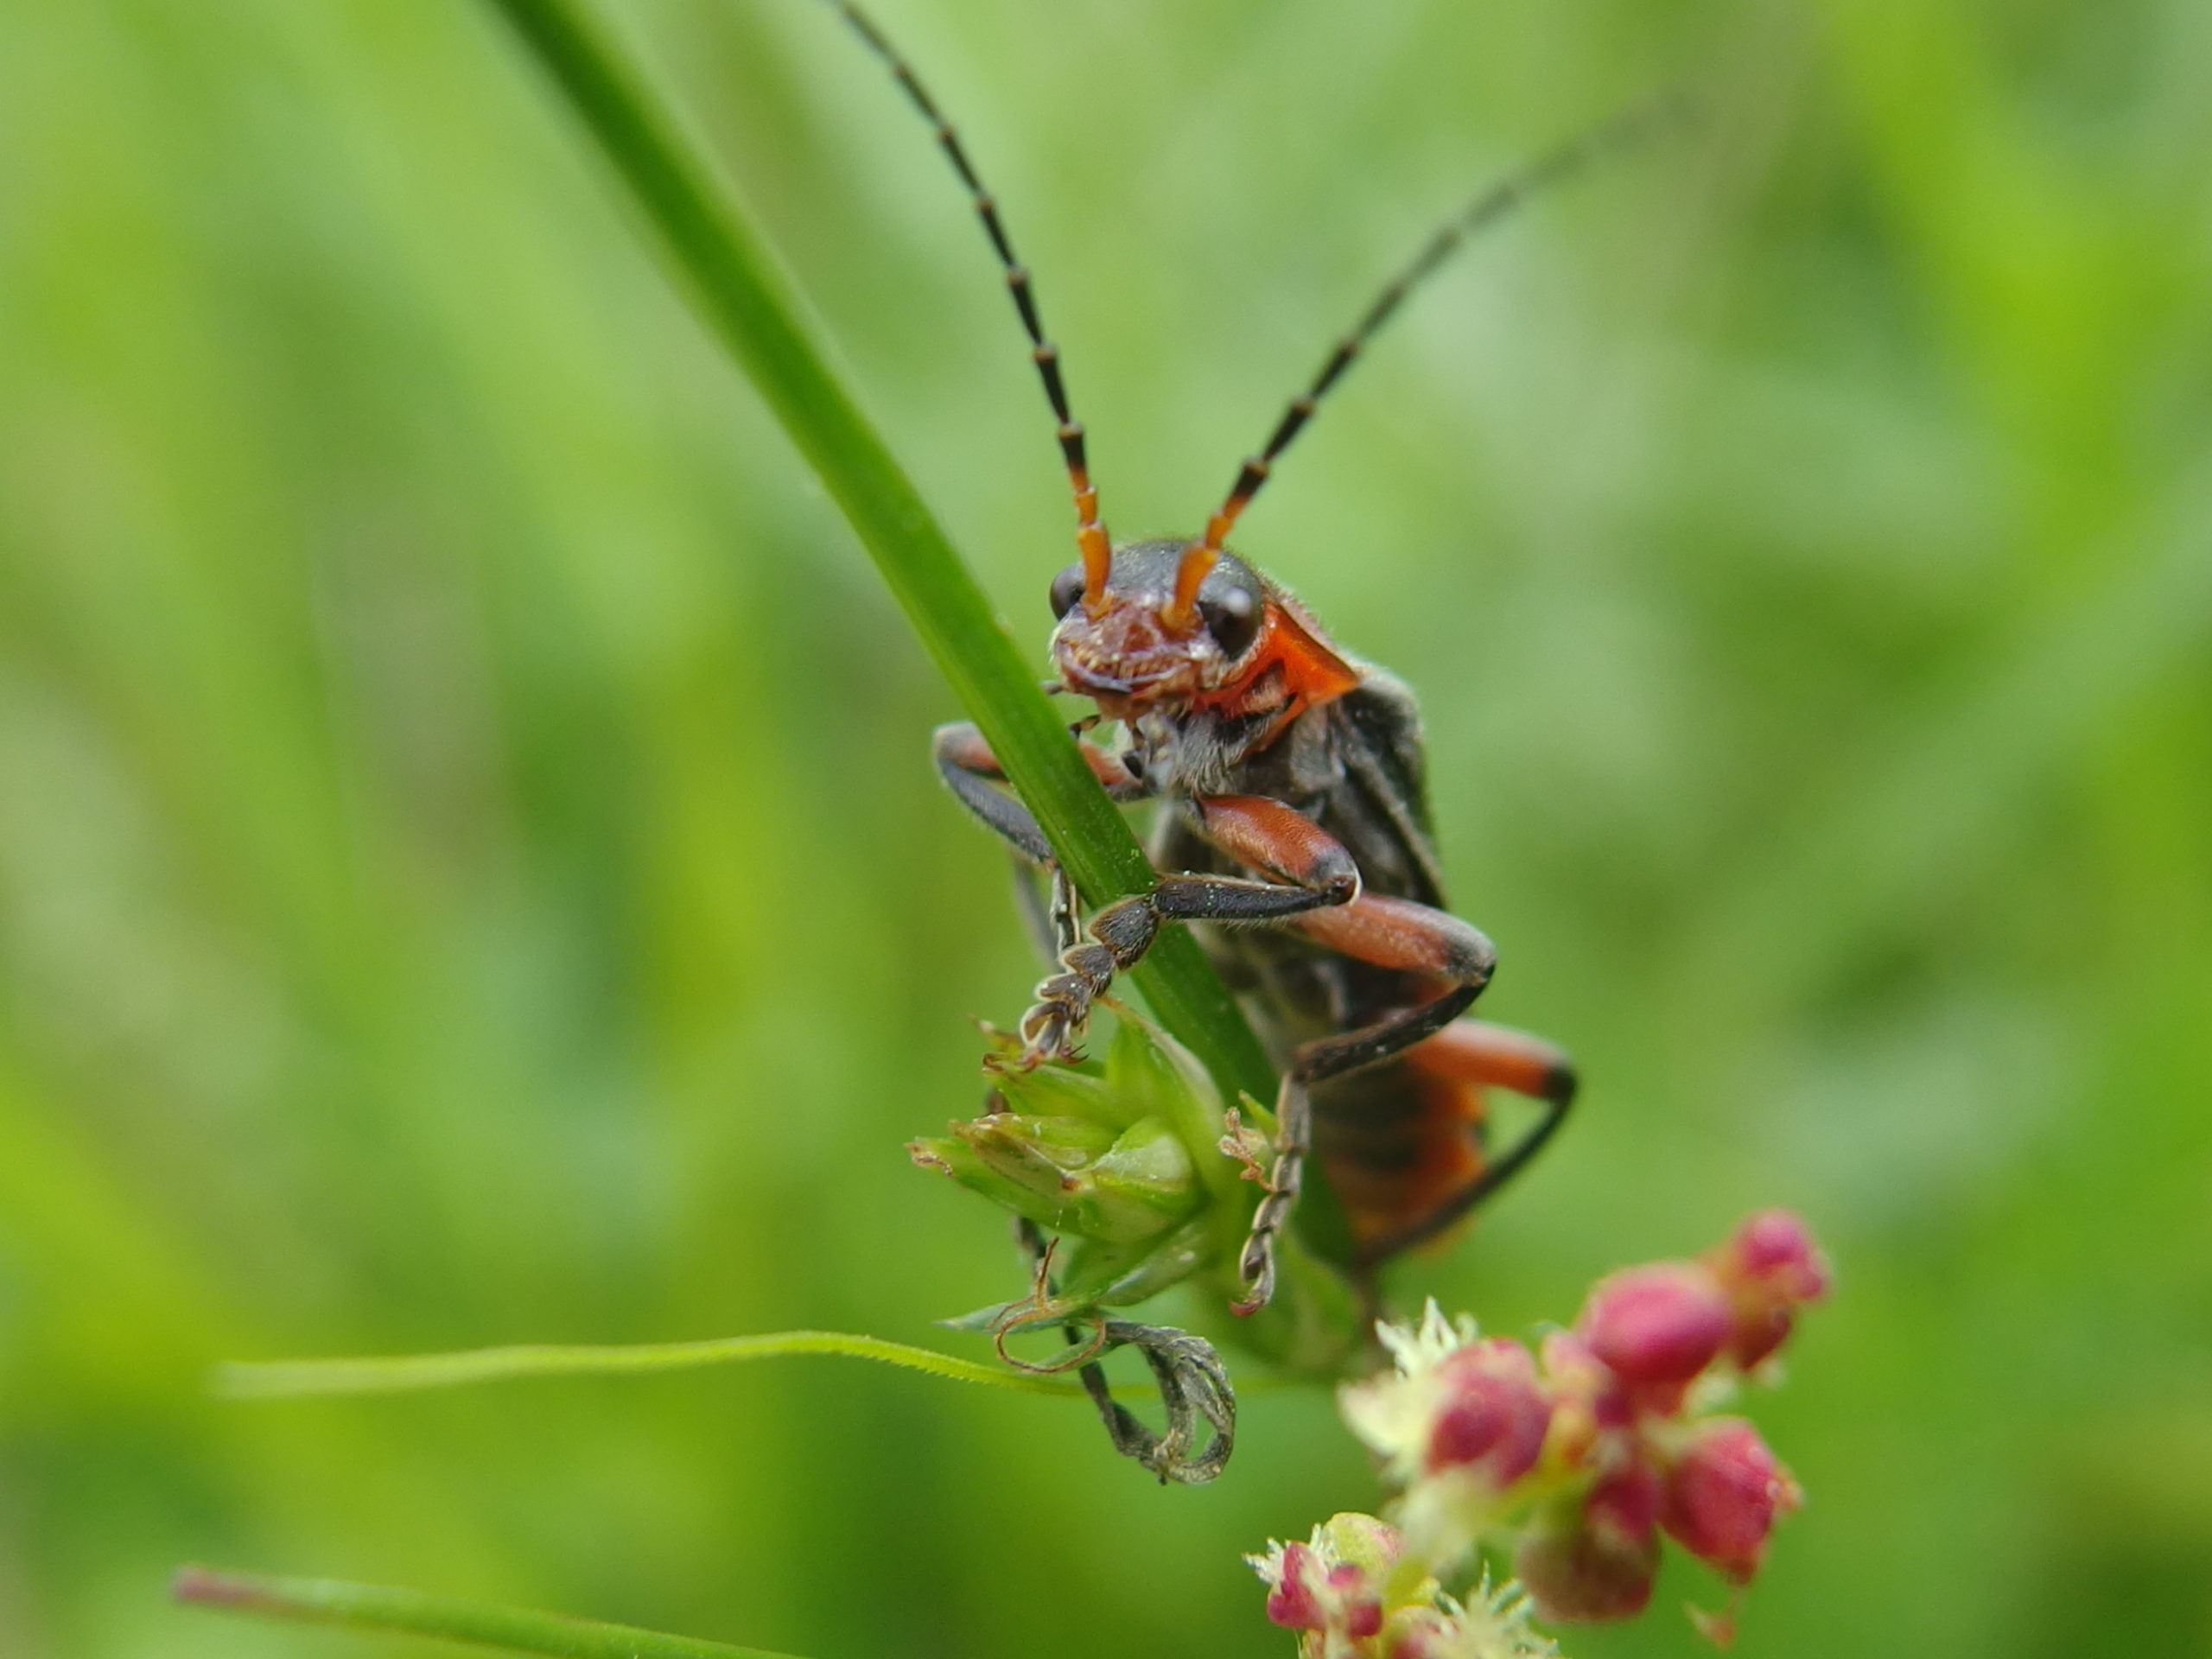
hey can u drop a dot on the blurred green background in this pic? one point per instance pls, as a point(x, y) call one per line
point(469, 872)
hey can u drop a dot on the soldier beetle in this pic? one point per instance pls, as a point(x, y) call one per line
point(1298, 840)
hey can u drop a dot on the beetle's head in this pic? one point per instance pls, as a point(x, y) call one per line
point(1140, 640)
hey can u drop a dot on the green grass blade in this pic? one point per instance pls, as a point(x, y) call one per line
point(373, 1607)
point(736, 283)
point(284, 1379)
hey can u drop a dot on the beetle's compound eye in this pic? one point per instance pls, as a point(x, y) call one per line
point(1067, 588)
point(1233, 619)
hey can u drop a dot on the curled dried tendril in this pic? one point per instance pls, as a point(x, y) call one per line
point(1194, 1385)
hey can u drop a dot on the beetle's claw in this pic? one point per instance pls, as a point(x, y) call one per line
point(1257, 1268)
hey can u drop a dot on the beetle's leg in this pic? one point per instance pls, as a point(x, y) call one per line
point(1193, 1385)
point(1063, 914)
point(1414, 938)
point(1052, 916)
point(971, 770)
point(1474, 1052)
point(972, 773)
point(1034, 907)
point(1294, 1139)
point(1390, 933)
point(1312, 869)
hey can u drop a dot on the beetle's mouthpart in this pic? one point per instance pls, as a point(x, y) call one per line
point(1088, 682)
point(1128, 650)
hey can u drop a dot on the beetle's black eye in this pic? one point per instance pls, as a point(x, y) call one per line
point(1067, 588)
point(1233, 620)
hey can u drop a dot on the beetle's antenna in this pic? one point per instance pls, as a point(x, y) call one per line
point(1486, 209)
point(1090, 534)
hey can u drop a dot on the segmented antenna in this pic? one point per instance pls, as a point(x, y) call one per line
point(1484, 211)
point(1090, 534)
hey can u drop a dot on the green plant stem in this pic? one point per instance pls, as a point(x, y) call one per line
point(744, 299)
point(282, 1379)
point(372, 1607)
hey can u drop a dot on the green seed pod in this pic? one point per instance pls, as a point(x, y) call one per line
point(1072, 1175)
point(1109, 1154)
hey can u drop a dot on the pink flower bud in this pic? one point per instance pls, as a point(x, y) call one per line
point(1493, 1413)
point(1722, 1497)
point(1625, 1506)
point(1363, 1608)
point(1294, 1599)
point(1334, 1584)
point(1775, 1248)
point(1769, 1269)
point(1660, 1323)
point(1590, 1396)
point(1595, 1561)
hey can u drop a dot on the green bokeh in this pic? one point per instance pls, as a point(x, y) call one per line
point(469, 872)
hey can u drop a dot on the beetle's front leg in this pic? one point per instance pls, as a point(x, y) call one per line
point(964, 761)
point(1313, 872)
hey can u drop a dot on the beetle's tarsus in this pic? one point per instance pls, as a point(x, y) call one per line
point(1119, 937)
point(1294, 1139)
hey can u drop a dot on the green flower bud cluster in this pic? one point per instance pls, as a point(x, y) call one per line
point(1122, 1158)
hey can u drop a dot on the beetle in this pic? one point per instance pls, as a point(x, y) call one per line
point(1297, 840)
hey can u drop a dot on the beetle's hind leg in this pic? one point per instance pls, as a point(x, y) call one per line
point(1472, 1052)
point(1475, 1052)
point(1280, 1185)
point(1388, 932)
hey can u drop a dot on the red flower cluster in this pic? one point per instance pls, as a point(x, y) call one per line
point(1580, 1461)
point(1652, 1344)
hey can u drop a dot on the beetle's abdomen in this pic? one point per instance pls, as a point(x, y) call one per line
point(1396, 1146)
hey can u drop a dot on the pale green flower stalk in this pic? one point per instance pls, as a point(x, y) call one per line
point(371, 1607)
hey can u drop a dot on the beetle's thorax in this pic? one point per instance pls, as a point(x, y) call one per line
point(1197, 751)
